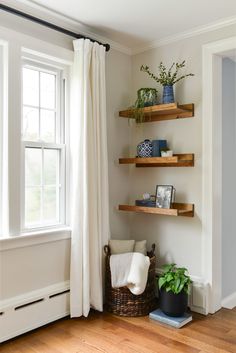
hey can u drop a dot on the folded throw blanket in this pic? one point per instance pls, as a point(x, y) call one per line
point(131, 270)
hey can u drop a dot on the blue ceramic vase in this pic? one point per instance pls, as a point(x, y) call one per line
point(144, 149)
point(168, 94)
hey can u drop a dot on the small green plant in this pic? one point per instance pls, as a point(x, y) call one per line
point(146, 97)
point(167, 77)
point(174, 279)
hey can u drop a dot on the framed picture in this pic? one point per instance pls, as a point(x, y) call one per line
point(164, 196)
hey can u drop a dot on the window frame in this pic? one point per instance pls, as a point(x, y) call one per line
point(4, 226)
point(59, 143)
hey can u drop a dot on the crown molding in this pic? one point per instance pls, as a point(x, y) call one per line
point(186, 34)
point(73, 25)
point(69, 24)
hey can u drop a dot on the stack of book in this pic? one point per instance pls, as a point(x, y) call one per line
point(176, 322)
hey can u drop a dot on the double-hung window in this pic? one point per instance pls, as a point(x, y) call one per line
point(43, 145)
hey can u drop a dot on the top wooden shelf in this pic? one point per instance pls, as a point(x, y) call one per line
point(162, 112)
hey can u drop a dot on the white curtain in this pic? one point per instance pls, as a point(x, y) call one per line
point(89, 171)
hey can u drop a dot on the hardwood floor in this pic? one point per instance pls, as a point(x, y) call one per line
point(106, 333)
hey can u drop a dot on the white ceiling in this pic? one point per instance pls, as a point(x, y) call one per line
point(135, 23)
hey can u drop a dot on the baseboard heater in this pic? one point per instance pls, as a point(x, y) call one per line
point(31, 310)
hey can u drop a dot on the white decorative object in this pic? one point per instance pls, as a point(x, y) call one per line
point(168, 153)
point(146, 196)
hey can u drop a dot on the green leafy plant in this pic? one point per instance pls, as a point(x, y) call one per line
point(174, 279)
point(167, 77)
point(146, 97)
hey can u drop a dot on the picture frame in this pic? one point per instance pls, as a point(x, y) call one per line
point(164, 196)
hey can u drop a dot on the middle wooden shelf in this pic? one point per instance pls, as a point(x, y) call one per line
point(177, 160)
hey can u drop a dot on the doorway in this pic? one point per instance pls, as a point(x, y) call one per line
point(228, 180)
point(213, 200)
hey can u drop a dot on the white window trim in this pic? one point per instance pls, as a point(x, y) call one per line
point(40, 236)
point(60, 136)
point(18, 47)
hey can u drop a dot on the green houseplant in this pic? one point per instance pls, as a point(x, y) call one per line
point(167, 78)
point(174, 287)
point(145, 98)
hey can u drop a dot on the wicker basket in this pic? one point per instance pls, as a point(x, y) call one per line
point(121, 301)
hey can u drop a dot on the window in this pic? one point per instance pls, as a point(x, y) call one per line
point(43, 146)
point(1, 132)
point(3, 139)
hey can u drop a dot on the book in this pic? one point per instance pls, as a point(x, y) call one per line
point(176, 322)
point(145, 203)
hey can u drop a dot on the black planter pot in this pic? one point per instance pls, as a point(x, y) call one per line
point(173, 304)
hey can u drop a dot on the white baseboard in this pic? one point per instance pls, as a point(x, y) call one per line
point(34, 309)
point(229, 302)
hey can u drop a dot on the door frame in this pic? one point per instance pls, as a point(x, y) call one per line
point(212, 56)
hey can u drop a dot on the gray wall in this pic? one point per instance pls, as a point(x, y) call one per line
point(229, 178)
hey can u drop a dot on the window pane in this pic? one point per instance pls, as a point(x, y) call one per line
point(33, 205)
point(47, 90)
point(30, 87)
point(51, 166)
point(30, 124)
point(43, 168)
point(47, 125)
point(33, 166)
point(50, 204)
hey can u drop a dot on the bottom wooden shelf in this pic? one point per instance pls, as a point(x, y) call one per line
point(178, 209)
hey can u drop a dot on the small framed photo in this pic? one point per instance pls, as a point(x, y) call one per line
point(164, 196)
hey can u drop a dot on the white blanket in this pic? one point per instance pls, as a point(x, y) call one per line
point(131, 270)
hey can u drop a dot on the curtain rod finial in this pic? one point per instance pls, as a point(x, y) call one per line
point(108, 47)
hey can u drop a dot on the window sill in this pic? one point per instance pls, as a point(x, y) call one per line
point(35, 238)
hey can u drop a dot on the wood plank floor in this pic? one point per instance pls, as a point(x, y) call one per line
point(106, 333)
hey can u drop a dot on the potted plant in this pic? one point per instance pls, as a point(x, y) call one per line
point(174, 287)
point(146, 97)
point(167, 78)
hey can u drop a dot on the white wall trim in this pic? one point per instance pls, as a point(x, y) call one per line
point(32, 45)
point(31, 327)
point(22, 299)
point(74, 25)
point(186, 34)
point(15, 321)
point(34, 55)
point(71, 24)
point(34, 238)
point(229, 302)
point(212, 167)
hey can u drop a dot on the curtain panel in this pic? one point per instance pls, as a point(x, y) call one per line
point(89, 177)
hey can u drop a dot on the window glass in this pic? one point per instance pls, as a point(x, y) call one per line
point(39, 105)
point(42, 188)
point(43, 160)
point(30, 87)
point(47, 90)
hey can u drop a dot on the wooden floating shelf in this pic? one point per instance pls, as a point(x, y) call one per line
point(178, 160)
point(178, 209)
point(162, 112)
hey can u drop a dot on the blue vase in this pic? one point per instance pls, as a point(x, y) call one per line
point(168, 94)
point(144, 149)
point(157, 146)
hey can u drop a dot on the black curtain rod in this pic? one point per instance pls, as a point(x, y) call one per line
point(49, 25)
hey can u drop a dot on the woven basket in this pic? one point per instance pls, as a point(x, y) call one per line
point(121, 301)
